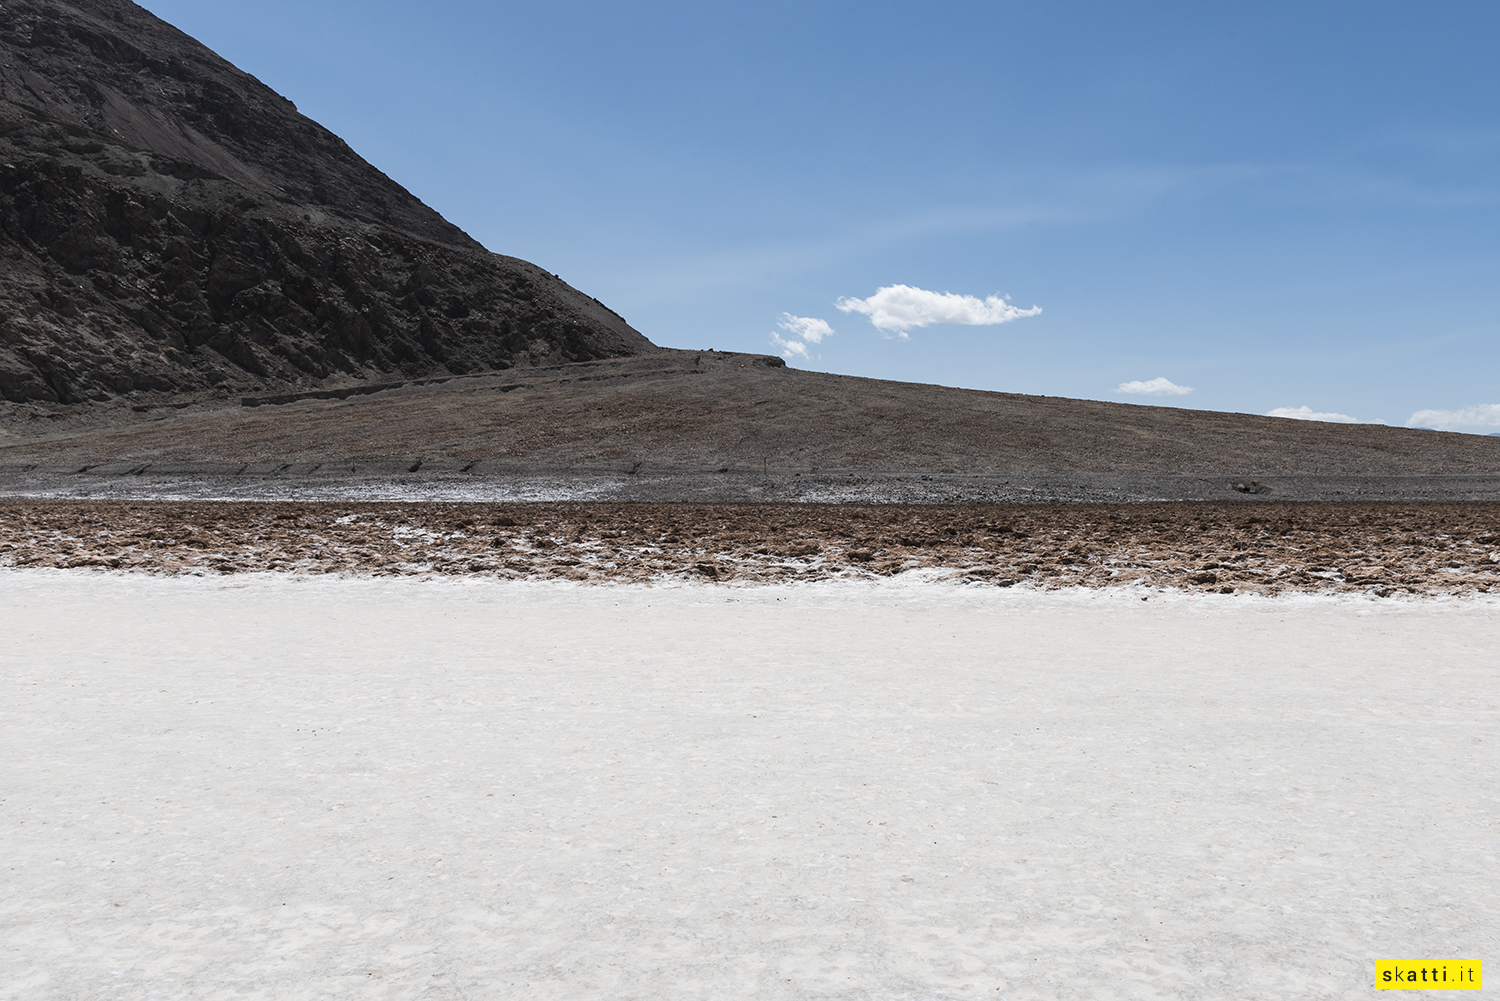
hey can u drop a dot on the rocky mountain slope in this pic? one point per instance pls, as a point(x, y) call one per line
point(170, 227)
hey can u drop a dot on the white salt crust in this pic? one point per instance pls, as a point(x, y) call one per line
point(278, 787)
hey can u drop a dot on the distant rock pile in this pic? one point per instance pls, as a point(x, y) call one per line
point(169, 225)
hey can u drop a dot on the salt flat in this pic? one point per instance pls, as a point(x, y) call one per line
point(294, 787)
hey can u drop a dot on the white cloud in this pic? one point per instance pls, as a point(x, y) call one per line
point(1483, 415)
point(805, 330)
point(1309, 414)
point(1160, 386)
point(899, 308)
point(790, 349)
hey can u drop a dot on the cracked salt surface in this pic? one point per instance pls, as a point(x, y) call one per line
point(1379, 550)
point(280, 786)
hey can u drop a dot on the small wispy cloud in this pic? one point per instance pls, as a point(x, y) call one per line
point(791, 349)
point(805, 330)
point(1309, 414)
point(1483, 415)
point(1160, 386)
point(900, 308)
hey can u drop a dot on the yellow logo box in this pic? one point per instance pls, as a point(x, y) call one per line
point(1429, 975)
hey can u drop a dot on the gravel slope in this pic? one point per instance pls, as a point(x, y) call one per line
point(680, 425)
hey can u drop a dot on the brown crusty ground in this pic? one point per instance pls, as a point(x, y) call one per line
point(1381, 549)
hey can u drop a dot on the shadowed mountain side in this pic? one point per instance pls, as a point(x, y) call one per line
point(682, 416)
point(113, 69)
point(169, 227)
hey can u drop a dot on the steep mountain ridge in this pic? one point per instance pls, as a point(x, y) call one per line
point(169, 225)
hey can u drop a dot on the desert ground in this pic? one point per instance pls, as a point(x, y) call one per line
point(297, 785)
point(671, 425)
point(1376, 550)
point(341, 749)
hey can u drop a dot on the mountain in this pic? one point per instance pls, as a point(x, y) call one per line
point(171, 227)
point(203, 290)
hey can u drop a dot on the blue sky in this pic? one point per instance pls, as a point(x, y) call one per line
point(1278, 205)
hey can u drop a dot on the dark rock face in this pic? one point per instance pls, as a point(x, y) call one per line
point(169, 225)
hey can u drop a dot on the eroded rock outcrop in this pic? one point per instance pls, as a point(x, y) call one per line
point(169, 225)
